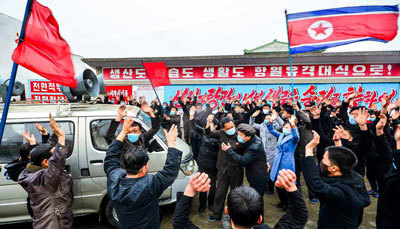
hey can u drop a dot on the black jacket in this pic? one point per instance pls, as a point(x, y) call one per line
point(295, 217)
point(388, 210)
point(253, 159)
point(186, 107)
point(342, 199)
point(205, 150)
point(144, 138)
point(136, 199)
point(225, 164)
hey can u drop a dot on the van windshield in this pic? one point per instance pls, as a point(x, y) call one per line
point(147, 120)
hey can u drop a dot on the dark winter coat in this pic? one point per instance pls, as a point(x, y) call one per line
point(136, 199)
point(342, 199)
point(253, 159)
point(50, 191)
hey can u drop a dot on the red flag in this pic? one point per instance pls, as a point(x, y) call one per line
point(43, 50)
point(157, 73)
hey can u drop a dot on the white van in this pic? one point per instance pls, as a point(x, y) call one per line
point(85, 126)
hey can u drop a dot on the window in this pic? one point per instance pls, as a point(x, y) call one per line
point(13, 139)
point(98, 132)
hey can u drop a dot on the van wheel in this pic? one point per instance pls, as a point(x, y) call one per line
point(111, 215)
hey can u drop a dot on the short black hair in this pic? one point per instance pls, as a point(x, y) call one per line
point(24, 150)
point(225, 120)
point(267, 105)
point(244, 206)
point(40, 152)
point(137, 124)
point(288, 109)
point(134, 159)
point(173, 107)
point(343, 157)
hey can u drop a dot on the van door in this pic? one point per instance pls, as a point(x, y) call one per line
point(97, 147)
point(13, 206)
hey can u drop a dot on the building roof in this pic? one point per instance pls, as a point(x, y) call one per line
point(271, 48)
point(251, 60)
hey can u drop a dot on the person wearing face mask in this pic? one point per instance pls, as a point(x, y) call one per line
point(286, 112)
point(136, 138)
point(253, 158)
point(270, 142)
point(341, 192)
point(284, 158)
point(230, 173)
point(264, 110)
point(173, 119)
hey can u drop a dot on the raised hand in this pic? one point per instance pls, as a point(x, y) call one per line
point(198, 183)
point(313, 143)
point(41, 128)
point(127, 126)
point(30, 138)
point(274, 116)
point(381, 124)
point(362, 118)
point(286, 179)
point(385, 101)
point(171, 136)
point(55, 127)
point(352, 96)
point(255, 114)
point(316, 112)
point(57, 130)
point(121, 113)
point(145, 108)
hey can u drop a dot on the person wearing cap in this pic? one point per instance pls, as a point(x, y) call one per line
point(48, 185)
point(253, 158)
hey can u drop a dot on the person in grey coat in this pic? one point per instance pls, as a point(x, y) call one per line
point(269, 140)
point(48, 185)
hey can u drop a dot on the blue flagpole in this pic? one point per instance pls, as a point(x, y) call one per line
point(14, 72)
point(290, 59)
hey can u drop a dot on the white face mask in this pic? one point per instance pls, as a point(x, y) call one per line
point(266, 111)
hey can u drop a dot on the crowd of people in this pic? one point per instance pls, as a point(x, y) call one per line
point(270, 143)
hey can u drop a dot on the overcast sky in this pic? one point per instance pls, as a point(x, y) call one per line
point(142, 28)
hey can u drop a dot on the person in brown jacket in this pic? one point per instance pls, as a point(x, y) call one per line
point(48, 185)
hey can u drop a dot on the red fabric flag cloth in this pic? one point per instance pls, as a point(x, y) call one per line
point(157, 73)
point(43, 50)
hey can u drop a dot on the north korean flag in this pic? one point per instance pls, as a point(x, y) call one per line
point(321, 29)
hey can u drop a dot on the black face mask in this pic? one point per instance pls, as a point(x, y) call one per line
point(323, 169)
